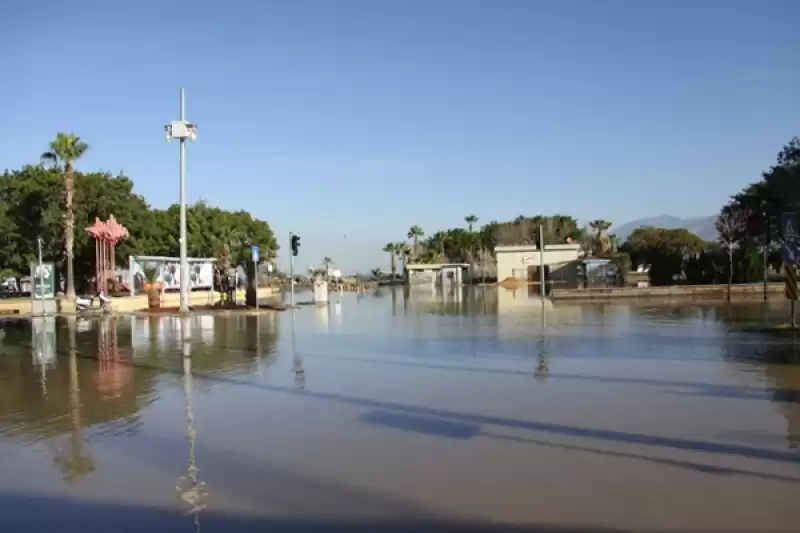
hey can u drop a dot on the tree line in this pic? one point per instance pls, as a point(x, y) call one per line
point(747, 248)
point(56, 202)
point(747, 234)
point(473, 244)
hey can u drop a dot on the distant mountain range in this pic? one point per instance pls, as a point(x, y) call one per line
point(703, 227)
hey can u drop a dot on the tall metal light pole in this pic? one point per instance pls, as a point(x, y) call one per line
point(182, 130)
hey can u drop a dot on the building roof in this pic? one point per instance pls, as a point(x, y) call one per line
point(435, 266)
point(533, 248)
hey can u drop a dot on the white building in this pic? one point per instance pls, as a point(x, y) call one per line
point(523, 261)
point(443, 275)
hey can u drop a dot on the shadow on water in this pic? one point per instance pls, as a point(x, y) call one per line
point(463, 430)
point(542, 427)
point(39, 514)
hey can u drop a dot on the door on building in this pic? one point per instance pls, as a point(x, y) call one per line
point(533, 274)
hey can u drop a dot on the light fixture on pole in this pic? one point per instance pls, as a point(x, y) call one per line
point(182, 130)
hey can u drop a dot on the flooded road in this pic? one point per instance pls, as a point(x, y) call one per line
point(379, 412)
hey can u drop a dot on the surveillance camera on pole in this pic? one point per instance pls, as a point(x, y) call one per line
point(182, 130)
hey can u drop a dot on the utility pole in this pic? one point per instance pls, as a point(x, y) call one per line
point(41, 273)
point(765, 272)
point(541, 262)
point(766, 246)
point(291, 269)
point(182, 130)
point(184, 261)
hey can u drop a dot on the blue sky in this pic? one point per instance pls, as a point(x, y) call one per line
point(348, 121)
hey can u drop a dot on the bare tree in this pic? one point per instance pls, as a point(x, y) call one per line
point(730, 224)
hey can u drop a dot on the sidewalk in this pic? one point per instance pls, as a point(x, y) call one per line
point(127, 304)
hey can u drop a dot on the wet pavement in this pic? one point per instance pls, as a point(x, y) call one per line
point(381, 412)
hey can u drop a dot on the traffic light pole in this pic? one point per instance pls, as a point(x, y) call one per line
point(291, 269)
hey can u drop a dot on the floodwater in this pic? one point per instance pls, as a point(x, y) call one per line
point(487, 412)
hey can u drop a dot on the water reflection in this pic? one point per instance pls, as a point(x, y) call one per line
point(458, 301)
point(43, 343)
point(72, 459)
point(189, 487)
point(64, 380)
point(297, 361)
point(542, 360)
point(526, 386)
point(779, 361)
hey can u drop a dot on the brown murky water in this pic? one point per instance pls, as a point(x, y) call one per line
point(385, 413)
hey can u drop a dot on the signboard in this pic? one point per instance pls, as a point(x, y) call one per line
point(790, 253)
point(43, 281)
point(201, 273)
point(790, 248)
point(255, 254)
point(789, 226)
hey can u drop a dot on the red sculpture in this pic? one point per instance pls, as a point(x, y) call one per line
point(106, 236)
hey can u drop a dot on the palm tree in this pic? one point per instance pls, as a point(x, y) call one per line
point(326, 263)
point(377, 274)
point(402, 251)
point(406, 255)
point(391, 249)
point(66, 149)
point(470, 220)
point(415, 233)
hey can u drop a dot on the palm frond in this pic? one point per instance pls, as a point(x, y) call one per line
point(49, 157)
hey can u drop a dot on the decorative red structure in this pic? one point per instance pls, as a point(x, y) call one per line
point(106, 236)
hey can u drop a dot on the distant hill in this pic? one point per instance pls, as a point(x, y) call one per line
point(703, 227)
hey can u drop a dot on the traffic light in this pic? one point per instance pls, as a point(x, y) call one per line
point(295, 244)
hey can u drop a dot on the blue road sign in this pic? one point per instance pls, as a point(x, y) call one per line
point(790, 253)
point(789, 226)
point(255, 254)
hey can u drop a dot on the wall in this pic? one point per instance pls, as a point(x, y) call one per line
point(512, 260)
point(426, 278)
point(124, 304)
point(742, 290)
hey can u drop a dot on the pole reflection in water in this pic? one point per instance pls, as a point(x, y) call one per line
point(259, 366)
point(297, 362)
point(337, 312)
point(43, 342)
point(543, 364)
point(190, 489)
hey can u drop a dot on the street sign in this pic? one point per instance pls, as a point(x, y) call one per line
point(790, 253)
point(255, 254)
point(789, 226)
point(790, 280)
point(43, 280)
